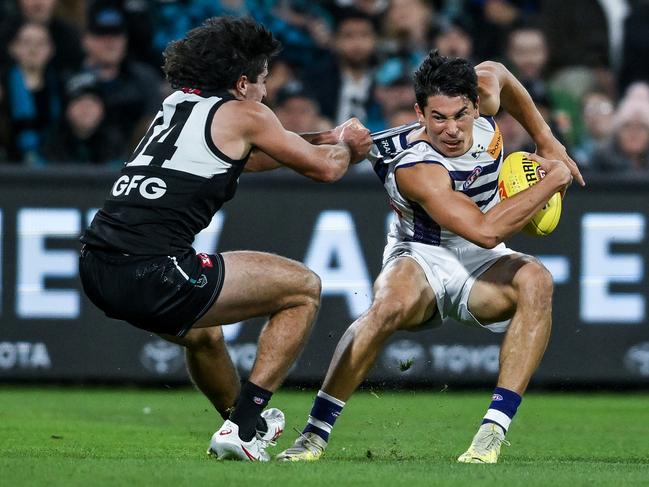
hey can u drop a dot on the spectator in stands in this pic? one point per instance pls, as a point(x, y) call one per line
point(303, 27)
point(577, 32)
point(408, 26)
point(281, 73)
point(173, 18)
point(343, 84)
point(527, 58)
point(453, 40)
point(407, 33)
point(30, 102)
point(627, 152)
point(394, 89)
point(402, 115)
point(597, 117)
point(370, 7)
point(67, 53)
point(83, 136)
point(492, 20)
point(514, 135)
point(527, 54)
point(140, 27)
point(635, 53)
point(298, 110)
point(131, 91)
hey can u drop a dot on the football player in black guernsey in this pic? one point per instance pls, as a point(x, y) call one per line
point(137, 263)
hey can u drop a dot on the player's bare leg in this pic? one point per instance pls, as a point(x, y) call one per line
point(259, 284)
point(210, 367)
point(521, 288)
point(402, 299)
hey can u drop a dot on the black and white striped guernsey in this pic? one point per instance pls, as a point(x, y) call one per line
point(173, 184)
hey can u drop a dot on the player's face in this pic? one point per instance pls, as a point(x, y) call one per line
point(257, 91)
point(449, 123)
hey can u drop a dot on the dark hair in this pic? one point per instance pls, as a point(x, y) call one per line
point(213, 56)
point(344, 14)
point(441, 75)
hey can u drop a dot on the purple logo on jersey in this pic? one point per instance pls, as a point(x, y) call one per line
point(472, 177)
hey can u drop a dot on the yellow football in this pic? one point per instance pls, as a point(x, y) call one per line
point(519, 173)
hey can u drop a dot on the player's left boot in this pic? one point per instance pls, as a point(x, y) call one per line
point(275, 421)
point(226, 445)
point(485, 447)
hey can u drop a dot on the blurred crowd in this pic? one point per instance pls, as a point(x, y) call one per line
point(80, 80)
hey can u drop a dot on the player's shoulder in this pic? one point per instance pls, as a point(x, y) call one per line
point(248, 115)
point(248, 109)
point(486, 123)
point(418, 151)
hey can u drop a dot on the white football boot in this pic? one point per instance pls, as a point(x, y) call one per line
point(308, 447)
point(226, 445)
point(275, 422)
point(485, 447)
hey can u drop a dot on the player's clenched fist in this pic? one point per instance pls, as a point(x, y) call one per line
point(556, 167)
point(357, 137)
point(352, 121)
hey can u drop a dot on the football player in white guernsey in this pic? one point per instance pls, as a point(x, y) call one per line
point(445, 256)
point(138, 263)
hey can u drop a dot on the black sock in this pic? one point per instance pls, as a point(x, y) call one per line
point(261, 425)
point(225, 413)
point(252, 401)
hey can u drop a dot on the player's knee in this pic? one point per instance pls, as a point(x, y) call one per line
point(312, 287)
point(204, 339)
point(534, 279)
point(315, 285)
point(388, 315)
point(306, 286)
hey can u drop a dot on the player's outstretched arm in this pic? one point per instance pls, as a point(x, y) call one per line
point(326, 162)
point(260, 161)
point(497, 86)
point(430, 186)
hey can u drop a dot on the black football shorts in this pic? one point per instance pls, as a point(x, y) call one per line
point(160, 294)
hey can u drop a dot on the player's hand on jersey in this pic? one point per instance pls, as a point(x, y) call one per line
point(357, 137)
point(553, 149)
point(557, 167)
point(337, 131)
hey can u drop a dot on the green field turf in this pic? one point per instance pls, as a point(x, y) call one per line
point(94, 437)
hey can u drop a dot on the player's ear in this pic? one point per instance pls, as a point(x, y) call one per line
point(241, 86)
point(477, 107)
point(420, 114)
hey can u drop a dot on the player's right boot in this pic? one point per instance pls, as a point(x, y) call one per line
point(308, 447)
point(485, 447)
point(226, 445)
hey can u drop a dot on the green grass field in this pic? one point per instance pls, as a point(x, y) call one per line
point(94, 437)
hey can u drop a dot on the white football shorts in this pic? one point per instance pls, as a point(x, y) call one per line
point(451, 274)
